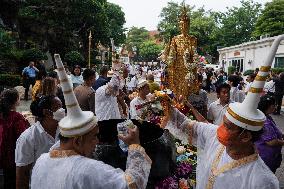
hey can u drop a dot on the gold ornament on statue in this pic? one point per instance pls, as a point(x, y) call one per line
point(181, 65)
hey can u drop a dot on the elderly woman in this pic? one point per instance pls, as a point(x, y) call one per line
point(270, 143)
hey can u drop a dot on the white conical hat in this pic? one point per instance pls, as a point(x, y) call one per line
point(77, 122)
point(246, 114)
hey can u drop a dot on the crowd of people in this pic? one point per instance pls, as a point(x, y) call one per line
point(117, 95)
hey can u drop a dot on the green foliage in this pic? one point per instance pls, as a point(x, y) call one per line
point(271, 21)
point(248, 72)
point(231, 70)
point(237, 23)
point(277, 70)
point(136, 36)
point(149, 50)
point(33, 55)
point(116, 19)
point(74, 58)
point(212, 29)
point(58, 26)
point(10, 80)
point(168, 26)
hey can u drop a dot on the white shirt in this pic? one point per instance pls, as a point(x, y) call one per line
point(78, 172)
point(134, 113)
point(216, 112)
point(33, 142)
point(106, 106)
point(132, 70)
point(269, 86)
point(133, 83)
point(254, 175)
point(236, 95)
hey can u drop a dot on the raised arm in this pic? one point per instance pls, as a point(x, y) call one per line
point(138, 164)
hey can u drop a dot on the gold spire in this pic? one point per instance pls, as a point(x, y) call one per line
point(183, 15)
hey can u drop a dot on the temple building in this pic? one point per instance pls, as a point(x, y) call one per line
point(250, 55)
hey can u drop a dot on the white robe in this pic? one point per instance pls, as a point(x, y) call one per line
point(79, 172)
point(106, 106)
point(254, 175)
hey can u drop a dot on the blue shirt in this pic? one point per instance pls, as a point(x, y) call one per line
point(101, 81)
point(30, 71)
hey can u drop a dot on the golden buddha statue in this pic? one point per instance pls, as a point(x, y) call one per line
point(181, 74)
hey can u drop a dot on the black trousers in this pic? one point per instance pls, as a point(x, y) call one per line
point(9, 178)
point(278, 100)
point(27, 83)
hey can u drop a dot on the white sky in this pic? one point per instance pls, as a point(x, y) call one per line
point(145, 13)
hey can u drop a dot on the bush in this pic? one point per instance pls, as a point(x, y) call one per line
point(10, 80)
point(277, 70)
point(248, 72)
point(74, 58)
point(33, 55)
point(231, 70)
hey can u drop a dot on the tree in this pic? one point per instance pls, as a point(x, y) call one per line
point(168, 26)
point(202, 25)
point(74, 58)
point(237, 23)
point(116, 20)
point(60, 26)
point(271, 21)
point(136, 36)
point(149, 51)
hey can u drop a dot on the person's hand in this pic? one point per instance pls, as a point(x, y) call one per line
point(132, 137)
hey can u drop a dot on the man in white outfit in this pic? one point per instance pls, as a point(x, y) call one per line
point(106, 105)
point(69, 166)
point(228, 158)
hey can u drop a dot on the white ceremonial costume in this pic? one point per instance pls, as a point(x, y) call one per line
point(134, 112)
point(254, 175)
point(215, 168)
point(79, 172)
point(216, 112)
point(33, 142)
point(106, 105)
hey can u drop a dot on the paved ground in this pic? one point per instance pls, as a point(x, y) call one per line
point(212, 97)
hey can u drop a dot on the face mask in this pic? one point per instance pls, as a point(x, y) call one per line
point(223, 135)
point(59, 114)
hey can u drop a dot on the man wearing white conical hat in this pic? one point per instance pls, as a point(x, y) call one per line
point(69, 166)
point(143, 90)
point(228, 158)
